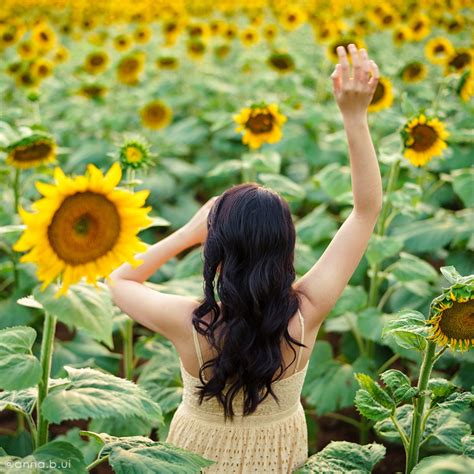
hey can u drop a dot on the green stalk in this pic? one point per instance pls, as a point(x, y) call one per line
point(128, 362)
point(49, 328)
point(419, 407)
point(16, 202)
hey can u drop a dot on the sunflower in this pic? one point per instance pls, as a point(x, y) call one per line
point(216, 27)
point(93, 91)
point(325, 31)
point(96, 62)
point(452, 316)
point(458, 61)
point(196, 48)
point(43, 37)
point(8, 37)
point(61, 55)
point(423, 138)
point(270, 32)
point(142, 34)
point(383, 95)
point(31, 151)
point(24, 78)
point(229, 32)
point(419, 25)
point(401, 34)
point(130, 67)
point(260, 123)
point(156, 115)
point(82, 227)
point(292, 18)
point(41, 68)
point(135, 153)
point(454, 24)
point(249, 36)
point(438, 49)
point(465, 87)
point(222, 51)
point(122, 42)
point(26, 50)
point(414, 72)
point(281, 62)
point(14, 68)
point(167, 62)
point(385, 18)
point(171, 30)
point(198, 31)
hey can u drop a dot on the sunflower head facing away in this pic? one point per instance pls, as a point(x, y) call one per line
point(452, 316)
point(423, 138)
point(135, 153)
point(156, 115)
point(31, 151)
point(414, 71)
point(260, 123)
point(281, 62)
point(82, 227)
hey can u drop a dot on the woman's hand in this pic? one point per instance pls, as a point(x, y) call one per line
point(354, 93)
point(196, 229)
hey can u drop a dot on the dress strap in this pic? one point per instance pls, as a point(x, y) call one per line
point(197, 346)
point(302, 341)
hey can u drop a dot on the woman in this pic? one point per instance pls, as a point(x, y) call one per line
point(244, 358)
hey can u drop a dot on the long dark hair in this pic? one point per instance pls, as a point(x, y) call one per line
point(250, 247)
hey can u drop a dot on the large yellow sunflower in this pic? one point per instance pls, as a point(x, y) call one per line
point(196, 48)
point(459, 60)
point(419, 25)
point(438, 49)
point(43, 37)
point(401, 34)
point(383, 95)
point(41, 68)
point(156, 115)
point(293, 18)
point(31, 151)
point(452, 317)
point(130, 67)
point(83, 227)
point(26, 49)
point(260, 124)
point(249, 36)
point(423, 138)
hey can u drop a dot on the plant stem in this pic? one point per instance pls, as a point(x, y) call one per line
point(128, 350)
point(345, 419)
point(401, 432)
point(16, 202)
point(364, 431)
point(419, 406)
point(388, 363)
point(47, 343)
point(97, 462)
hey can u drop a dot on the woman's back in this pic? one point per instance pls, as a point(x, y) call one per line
point(272, 439)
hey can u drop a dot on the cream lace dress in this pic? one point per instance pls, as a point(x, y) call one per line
point(272, 439)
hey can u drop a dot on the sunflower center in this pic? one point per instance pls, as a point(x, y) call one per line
point(291, 18)
point(96, 60)
point(424, 137)
point(281, 62)
point(387, 19)
point(35, 151)
point(379, 93)
point(414, 70)
point(460, 60)
point(458, 321)
point(44, 36)
point(84, 228)
point(129, 66)
point(439, 49)
point(134, 155)
point(155, 113)
point(260, 123)
point(418, 26)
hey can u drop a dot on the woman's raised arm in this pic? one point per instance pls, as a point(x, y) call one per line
point(323, 284)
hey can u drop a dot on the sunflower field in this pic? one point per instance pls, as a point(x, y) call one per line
point(119, 119)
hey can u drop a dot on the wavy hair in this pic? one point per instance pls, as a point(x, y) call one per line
point(249, 262)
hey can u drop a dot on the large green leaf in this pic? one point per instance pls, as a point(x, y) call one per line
point(341, 456)
point(19, 400)
point(352, 299)
point(290, 190)
point(83, 307)
point(367, 406)
point(55, 457)
point(19, 368)
point(463, 184)
point(140, 455)
point(316, 226)
point(386, 429)
point(376, 392)
point(94, 394)
point(408, 328)
point(409, 268)
point(381, 247)
point(458, 402)
point(398, 386)
point(161, 376)
point(335, 180)
point(445, 464)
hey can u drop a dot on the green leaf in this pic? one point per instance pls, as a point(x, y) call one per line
point(463, 185)
point(335, 180)
point(399, 386)
point(368, 407)
point(408, 328)
point(458, 402)
point(190, 265)
point(410, 268)
point(386, 429)
point(21, 400)
point(19, 368)
point(352, 299)
point(441, 389)
point(161, 376)
point(290, 190)
point(447, 430)
point(445, 464)
point(226, 169)
point(341, 456)
point(137, 454)
point(93, 394)
point(316, 226)
point(55, 457)
point(83, 307)
point(263, 162)
point(376, 392)
point(451, 274)
point(130, 426)
point(381, 247)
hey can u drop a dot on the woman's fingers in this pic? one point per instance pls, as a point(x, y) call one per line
point(336, 77)
point(375, 74)
point(356, 63)
point(365, 66)
point(341, 52)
